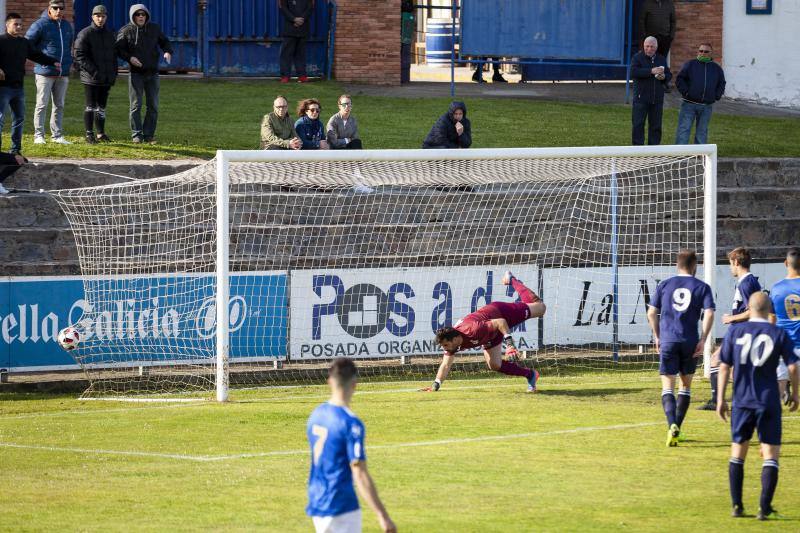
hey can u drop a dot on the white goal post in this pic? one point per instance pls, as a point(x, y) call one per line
point(261, 266)
point(225, 157)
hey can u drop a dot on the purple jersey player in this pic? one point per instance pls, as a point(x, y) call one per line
point(739, 260)
point(488, 328)
point(679, 300)
point(753, 350)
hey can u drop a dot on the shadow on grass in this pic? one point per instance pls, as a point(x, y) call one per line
point(587, 392)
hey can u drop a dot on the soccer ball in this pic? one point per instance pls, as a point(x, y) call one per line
point(68, 338)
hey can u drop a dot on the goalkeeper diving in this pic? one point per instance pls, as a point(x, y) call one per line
point(490, 327)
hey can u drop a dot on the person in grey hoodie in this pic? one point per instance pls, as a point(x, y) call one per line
point(138, 43)
point(52, 35)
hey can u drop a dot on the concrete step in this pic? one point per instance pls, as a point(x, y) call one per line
point(759, 202)
point(36, 245)
point(758, 172)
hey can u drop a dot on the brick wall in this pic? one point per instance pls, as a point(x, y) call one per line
point(697, 21)
point(367, 48)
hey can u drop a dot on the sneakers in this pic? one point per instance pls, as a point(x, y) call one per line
point(38, 139)
point(60, 140)
point(710, 405)
point(762, 515)
point(737, 512)
point(302, 79)
point(478, 77)
point(136, 140)
point(102, 137)
point(3, 190)
point(507, 277)
point(284, 79)
point(90, 138)
point(150, 140)
point(672, 435)
point(532, 381)
point(498, 78)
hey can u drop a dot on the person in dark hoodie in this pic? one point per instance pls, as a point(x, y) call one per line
point(701, 82)
point(451, 130)
point(14, 50)
point(52, 35)
point(138, 43)
point(95, 55)
point(295, 28)
point(309, 127)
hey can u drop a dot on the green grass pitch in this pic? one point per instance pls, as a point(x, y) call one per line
point(586, 453)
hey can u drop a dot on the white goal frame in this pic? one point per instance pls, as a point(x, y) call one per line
point(225, 157)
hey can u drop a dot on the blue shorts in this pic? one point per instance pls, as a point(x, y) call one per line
point(767, 421)
point(677, 358)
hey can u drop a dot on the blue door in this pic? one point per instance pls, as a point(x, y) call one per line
point(220, 37)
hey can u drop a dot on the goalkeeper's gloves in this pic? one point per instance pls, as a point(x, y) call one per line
point(511, 350)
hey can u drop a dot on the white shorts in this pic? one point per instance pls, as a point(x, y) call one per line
point(783, 372)
point(341, 523)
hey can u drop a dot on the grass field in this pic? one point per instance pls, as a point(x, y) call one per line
point(587, 453)
point(197, 117)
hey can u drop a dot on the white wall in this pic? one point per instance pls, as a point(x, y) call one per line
point(760, 53)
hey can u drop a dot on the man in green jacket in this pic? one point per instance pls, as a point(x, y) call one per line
point(277, 128)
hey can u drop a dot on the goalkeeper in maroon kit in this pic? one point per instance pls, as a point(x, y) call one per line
point(489, 327)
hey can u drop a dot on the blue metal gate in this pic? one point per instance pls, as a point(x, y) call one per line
point(222, 37)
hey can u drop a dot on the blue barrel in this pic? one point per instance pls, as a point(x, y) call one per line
point(439, 42)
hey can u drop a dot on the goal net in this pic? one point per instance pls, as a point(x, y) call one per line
point(365, 254)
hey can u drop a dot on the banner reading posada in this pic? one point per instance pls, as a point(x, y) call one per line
point(387, 312)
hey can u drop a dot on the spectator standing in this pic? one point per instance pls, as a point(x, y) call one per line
point(309, 127)
point(342, 130)
point(95, 55)
point(657, 18)
point(650, 73)
point(701, 82)
point(277, 128)
point(9, 163)
point(14, 50)
point(52, 35)
point(295, 28)
point(451, 130)
point(138, 43)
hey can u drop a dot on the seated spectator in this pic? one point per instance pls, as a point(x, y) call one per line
point(452, 130)
point(309, 127)
point(9, 163)
point(342, 130)
point(277, 128)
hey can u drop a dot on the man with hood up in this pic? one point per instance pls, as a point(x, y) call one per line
point(451, 130)
point(138, 43)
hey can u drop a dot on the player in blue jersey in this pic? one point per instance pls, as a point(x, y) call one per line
point(746, 284)
point(785, 296)
point(753, 349)
point(673, 314)
point(336, 437)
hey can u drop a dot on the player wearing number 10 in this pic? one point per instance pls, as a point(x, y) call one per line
point(753, 350)
point(336, 436)
point(680, 300)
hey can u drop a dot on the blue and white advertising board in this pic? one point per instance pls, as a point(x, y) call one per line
point(175, 315)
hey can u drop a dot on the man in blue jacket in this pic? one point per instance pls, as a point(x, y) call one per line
point(701, 82)
point(650, 74)
point(52, 35)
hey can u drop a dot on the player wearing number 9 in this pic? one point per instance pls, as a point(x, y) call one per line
point(753, 350)
point(785, 296)
point(336, 437)
point(673, 314)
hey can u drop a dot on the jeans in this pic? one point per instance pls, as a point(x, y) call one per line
point(653, 114)
point(688, 115)
point(293, 50)
point(146, 85)
point(13, 97)
point(50, 89)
